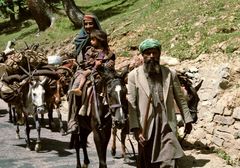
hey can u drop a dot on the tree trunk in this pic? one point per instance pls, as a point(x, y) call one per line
point(11, 6)
point(23, 12)
point(73, 13)
point(41, 13)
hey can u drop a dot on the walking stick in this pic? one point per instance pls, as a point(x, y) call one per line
point(146, 115)
point(134, 153)
point(141, 149)
point(181, 141)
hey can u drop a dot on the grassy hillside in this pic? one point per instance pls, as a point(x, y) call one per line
point(185, 28)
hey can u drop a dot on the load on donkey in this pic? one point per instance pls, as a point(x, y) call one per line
point(17, 65)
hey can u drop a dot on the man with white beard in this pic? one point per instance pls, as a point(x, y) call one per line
point(152, 89)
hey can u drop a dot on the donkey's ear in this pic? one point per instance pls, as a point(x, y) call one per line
point(199, 85)
point(44, 81)
point(124, 72)
point(32, 82)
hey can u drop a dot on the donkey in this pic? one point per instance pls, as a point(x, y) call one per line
point(53, 99)
point(57, 88)
point(32, 103)
point(190, 92)
point(116, 93)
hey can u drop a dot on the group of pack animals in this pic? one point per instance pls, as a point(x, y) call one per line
point(109, 112)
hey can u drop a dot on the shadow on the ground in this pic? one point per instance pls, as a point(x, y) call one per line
point(45, 123)
point(9, 27)
point(131, 160)
point(189, 161)
point(3, 112)
point(59, 146)
point(48, 145)
point(197, 145)
point(55, 127)
point(112, 9)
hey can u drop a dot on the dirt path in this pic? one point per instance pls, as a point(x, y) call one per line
point(55, 152)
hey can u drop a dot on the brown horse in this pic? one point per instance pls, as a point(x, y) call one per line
point(54, 89)
point(99, 121)
point(57, 88)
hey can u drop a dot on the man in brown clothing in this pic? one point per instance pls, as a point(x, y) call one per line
point(152, 89)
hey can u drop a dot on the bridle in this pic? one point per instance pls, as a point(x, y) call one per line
point(37, 108)
point(113, 107)
point(193, 107)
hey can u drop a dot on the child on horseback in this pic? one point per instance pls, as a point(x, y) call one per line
point(96, 56)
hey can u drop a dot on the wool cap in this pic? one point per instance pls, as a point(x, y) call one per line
point(149, 43)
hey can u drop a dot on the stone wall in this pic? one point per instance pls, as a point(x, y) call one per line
point(219, 109)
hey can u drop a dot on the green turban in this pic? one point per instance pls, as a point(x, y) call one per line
point(149, 43)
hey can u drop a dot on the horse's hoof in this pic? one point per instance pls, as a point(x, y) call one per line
point(62, 132)
point(66, 133)
point(84, 166)
point(126, 159)
point(73, 130)
point(53, 125)
point(37, 147)
point(28, 148)
point(17, 136)
point(42, 122)
point(113, 152)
